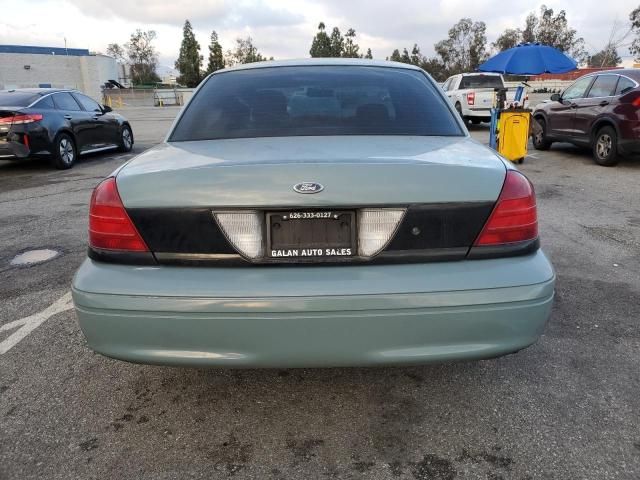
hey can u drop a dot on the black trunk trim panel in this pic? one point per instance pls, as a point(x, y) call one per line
point(427, 233)
point(450, 225)
point(180, 230)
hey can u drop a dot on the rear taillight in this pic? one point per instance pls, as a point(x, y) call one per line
point(636, 102)
point(110, 228)
point(21, 119)
point(514, 217)
point(471, 98)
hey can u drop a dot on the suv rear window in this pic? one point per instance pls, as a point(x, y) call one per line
point(481, 81)
point(17, 99)
point(624, 85)
point(316, 100)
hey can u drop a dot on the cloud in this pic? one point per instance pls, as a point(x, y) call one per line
point(214, 13)
point(285, 28)
point(152, 11)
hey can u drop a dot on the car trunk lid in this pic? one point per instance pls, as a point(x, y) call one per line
point(261, 172)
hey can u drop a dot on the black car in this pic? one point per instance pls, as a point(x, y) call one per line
point(59, 123)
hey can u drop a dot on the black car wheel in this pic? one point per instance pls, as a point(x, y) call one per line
point(540, 140)
point(126, 139)
point(64, 152)
point(605, 147)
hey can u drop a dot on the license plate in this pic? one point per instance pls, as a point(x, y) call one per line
point(311, 235)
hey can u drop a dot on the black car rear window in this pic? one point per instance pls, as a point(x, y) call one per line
point(17, 99)
point(316, 100)
point(481, 81)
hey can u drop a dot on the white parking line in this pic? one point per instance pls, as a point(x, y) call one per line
point(30, 323)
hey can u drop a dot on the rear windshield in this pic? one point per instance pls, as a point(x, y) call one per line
point(17, 99)
point(481, 81)
point(316, 100)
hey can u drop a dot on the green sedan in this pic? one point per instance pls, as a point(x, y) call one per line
point(314, 213)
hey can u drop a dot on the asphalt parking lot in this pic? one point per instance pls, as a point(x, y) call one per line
point(565, 408)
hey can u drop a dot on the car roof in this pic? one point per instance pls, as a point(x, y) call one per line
point(633, 73)
point(492, 74)
point(37, 91)
point(305, 62)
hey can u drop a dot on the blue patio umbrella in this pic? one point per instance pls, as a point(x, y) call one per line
point(529, 59)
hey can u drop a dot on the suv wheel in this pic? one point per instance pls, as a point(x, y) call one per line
point(540, 140)
point(64, 152)
point(126, 139)
point(605, 147)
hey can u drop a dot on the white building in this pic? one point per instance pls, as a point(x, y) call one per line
point(26, 66)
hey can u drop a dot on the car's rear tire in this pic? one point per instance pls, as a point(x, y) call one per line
point(605, 147)
point(540, 140)
point(65, 152)
point(476, 121)
point(459, 110)
point(126, 139)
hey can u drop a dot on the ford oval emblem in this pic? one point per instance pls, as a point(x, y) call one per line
point(308, 187)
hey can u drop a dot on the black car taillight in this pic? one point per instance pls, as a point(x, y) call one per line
point(21, 119)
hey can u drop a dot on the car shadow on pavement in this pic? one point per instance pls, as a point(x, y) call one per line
point(350, 421)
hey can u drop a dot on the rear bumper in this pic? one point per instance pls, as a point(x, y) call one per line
point(629, 146)
point(477, 112)
point(339, 316)
point(13, 150)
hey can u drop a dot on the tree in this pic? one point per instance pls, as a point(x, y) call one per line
point(216, 57)
point(529, 32)
point(634, 17)
point(405, 58)
point(334, 45)
point(245, 52)
point(607, 57)
point(351, 48)
point(142, 57)
point(337, 43)
point(368, 54)
point(435, 68)
point(507, 39)
point(116, 51)
point(416, 56)
point(321, 44)
point(554, 30)
point(465, 48)
point(189, 61)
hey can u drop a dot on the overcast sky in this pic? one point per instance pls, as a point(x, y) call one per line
point(284, 28)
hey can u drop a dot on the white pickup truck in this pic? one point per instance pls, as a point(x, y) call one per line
point(473, 94)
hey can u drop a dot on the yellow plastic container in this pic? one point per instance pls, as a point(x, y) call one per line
point(513, 134)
